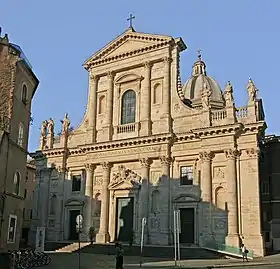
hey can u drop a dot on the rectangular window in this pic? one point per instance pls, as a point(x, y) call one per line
point(12, 229)
point(26, 177)
point(31, 213)
point(265, 187)
point(186, 175)
point(76, 183)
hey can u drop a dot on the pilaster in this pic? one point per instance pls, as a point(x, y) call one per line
point(146, 102)
point(88, 195)
point(108, 128)
point(166, 97)
point(103, 234)
point(92, 108)
point(233, 238)
point(144, 196)
point(206, 175)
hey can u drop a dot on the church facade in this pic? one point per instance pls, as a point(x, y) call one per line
point(147, 146)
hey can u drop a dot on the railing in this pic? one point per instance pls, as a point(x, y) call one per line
point(230, 250)
point(218, 115)
point(127, 128)
point(241, 112)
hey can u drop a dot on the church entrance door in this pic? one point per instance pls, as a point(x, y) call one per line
point(124, 219)
point(73, 235)
point(187, 225)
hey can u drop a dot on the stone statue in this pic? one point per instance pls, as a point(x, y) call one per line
point(50, 126)
point(43, 130)
point(65, 124)
point(205, 96)
point(252, 91)
point(228, 95)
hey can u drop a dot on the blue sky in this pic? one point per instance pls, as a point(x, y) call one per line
point(238, 39)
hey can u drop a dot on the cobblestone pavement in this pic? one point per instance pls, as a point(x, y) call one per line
point(94, 261)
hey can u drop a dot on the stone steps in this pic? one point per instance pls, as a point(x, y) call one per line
point(167, 252)
point(72, 247)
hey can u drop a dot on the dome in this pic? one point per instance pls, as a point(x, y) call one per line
point(192, 89)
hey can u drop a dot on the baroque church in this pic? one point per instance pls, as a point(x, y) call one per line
point(148, 145)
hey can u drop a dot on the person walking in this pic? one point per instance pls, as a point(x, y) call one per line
point(119, 256)
point(244, 252)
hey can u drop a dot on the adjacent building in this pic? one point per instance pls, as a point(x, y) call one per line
point(18, 84)
point(270, 191)
point(147, 146)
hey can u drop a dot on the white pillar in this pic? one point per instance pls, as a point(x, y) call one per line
point(146, 102)
point(103, 234)
point(144, 195)
point(89, 196)
point(92, 108)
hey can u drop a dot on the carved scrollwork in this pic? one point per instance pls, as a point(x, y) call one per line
point(231, 153)
point(110, 74)
point(165, 160)
point(147, 64)
point(106, 166)
point(252, 152)
point(167, 60)
point(89, 167)
point(93, 77)
point(206, 156)
point(145, 162)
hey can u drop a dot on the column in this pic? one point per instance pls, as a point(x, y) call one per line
point(166, 95)
point(232, 204)
point(145, 195)
point(165, 166)
point(89, 195)
point(108, 128)
point(206, 183)
point(146, 102)
point(92, 108)
point(103, 234)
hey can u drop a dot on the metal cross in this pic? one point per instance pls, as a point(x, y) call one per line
point(131, 17)
point(199, 53)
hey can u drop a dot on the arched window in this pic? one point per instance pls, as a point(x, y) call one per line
point(53, 204)
point(20, 134)
point(155, 201)
point(128, 107)
point(157, 94)
point(16, 183)
point(220, 198)
point(24, 94)
point(101, 105)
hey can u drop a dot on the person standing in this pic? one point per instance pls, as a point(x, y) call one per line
point(119, 256)
point(244, 252)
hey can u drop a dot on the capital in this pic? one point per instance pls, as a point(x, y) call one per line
point(252, 152)
point(93, 77)
point(165, 160)
point(147, 64)
point(89, 167)
point(106, 166)
point(231, 154)
point(206, 156)
point(167, 60)
point(145, 162)
point(110, 74)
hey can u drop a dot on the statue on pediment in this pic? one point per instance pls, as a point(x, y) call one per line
point(228, 95)
point(252, 91)
point(50, 127)
point(205, 96)
point(65, 124)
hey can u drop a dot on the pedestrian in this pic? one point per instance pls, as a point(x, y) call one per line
point(119, 256)
point(244, 252)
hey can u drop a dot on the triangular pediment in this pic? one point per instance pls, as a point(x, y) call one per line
point(130, 43)
point(125, 179)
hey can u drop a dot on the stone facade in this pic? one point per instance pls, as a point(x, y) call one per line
point(17, 87)
point(164, 146)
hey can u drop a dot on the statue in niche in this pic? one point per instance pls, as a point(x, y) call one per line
point(65, 124)
point(228, 95)
point(50, 126)
point(205, 95)
point(252, 91)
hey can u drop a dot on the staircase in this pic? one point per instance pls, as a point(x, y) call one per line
point(167, 252)
point(72, 247)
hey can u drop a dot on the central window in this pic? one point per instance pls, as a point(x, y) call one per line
point(128, 107)
point(186, 175)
